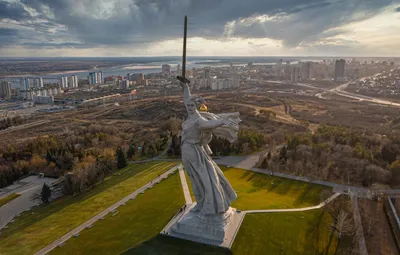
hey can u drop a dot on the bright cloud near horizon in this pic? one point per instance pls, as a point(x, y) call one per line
point(92, 28)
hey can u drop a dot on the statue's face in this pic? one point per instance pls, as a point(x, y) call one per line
point(191, 107)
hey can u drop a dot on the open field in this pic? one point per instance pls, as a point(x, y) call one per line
point(139, 220)
point(42, 225)
point(298, 233)
point(261, 191)
point(7, 199)
point(349, 113)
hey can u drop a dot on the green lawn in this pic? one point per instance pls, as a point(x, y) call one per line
point(42, 225)
point(7, 199)
point(262, 191)
point(139, 220)
point(302, 233)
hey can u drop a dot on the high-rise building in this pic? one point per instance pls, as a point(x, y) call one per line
point(100, 77)
point(125, 84)
point(141, 76)
point(73, 82)
point(63, 82)
point(295, 73)
point(279, 63)
point(92, 78)
point(5, 89)
point(287, 71)
point(76, 81)
point(40, 82)
point(24, 84)
point(306, 70)
point(278, 68)
point(339, 70)
point(166, 69)
point(207, 73)
point(178, 69)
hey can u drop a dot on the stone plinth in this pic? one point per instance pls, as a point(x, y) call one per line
point(219, 230)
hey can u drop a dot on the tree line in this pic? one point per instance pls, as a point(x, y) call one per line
point(338, 154)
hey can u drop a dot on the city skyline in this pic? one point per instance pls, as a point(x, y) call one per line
point(105, 28)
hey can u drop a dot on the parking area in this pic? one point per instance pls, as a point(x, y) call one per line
point(28, 189)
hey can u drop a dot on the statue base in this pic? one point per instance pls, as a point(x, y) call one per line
point(218, 230)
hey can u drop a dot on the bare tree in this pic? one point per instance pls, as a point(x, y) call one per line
point(342, 225)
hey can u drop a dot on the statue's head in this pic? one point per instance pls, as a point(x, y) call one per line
point(193, 103)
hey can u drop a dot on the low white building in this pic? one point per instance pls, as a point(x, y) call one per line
point(43, 99)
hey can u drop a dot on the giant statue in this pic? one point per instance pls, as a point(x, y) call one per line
point(212, 190)
point(210, 219)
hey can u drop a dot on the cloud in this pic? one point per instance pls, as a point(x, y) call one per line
point(306, 23)
point(13, 11)
point(397, 9)
point(8, 36)
point(109, 23)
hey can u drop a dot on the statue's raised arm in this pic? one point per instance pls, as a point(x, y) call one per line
point(186, 92)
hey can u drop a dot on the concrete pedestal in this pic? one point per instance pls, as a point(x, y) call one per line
point(219, 230)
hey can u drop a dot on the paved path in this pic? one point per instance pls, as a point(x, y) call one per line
point(27, 188)
point(186, 192)
point(359, 227)
point(99, 216)
point(297, 209)
point(245, 162)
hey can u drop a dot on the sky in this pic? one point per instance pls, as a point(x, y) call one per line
point(105, 28)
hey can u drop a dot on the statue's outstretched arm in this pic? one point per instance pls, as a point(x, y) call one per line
point(204, 124)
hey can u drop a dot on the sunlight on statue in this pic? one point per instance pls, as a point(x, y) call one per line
point(212, 190)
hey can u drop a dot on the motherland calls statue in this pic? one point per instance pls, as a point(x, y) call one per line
point(212, 190)
point(210, 220)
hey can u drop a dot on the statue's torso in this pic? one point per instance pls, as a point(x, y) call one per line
point(191, 133)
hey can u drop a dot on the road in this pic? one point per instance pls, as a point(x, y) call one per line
point(27, 188)
point(101, 215)
point(339, 90)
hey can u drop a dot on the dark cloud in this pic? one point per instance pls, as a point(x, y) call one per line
point(397, 9)
point(8, 36)
point(8, 32)
point(309, 24)
point(13, 11)
point(121, 22)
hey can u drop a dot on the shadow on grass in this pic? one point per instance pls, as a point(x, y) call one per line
point(167, 245)
point(310, 194)
point(43, 211)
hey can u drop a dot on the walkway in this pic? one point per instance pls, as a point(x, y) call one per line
point(359, 227)
point(297, 209)
point(99, 216)
point(186, 192)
